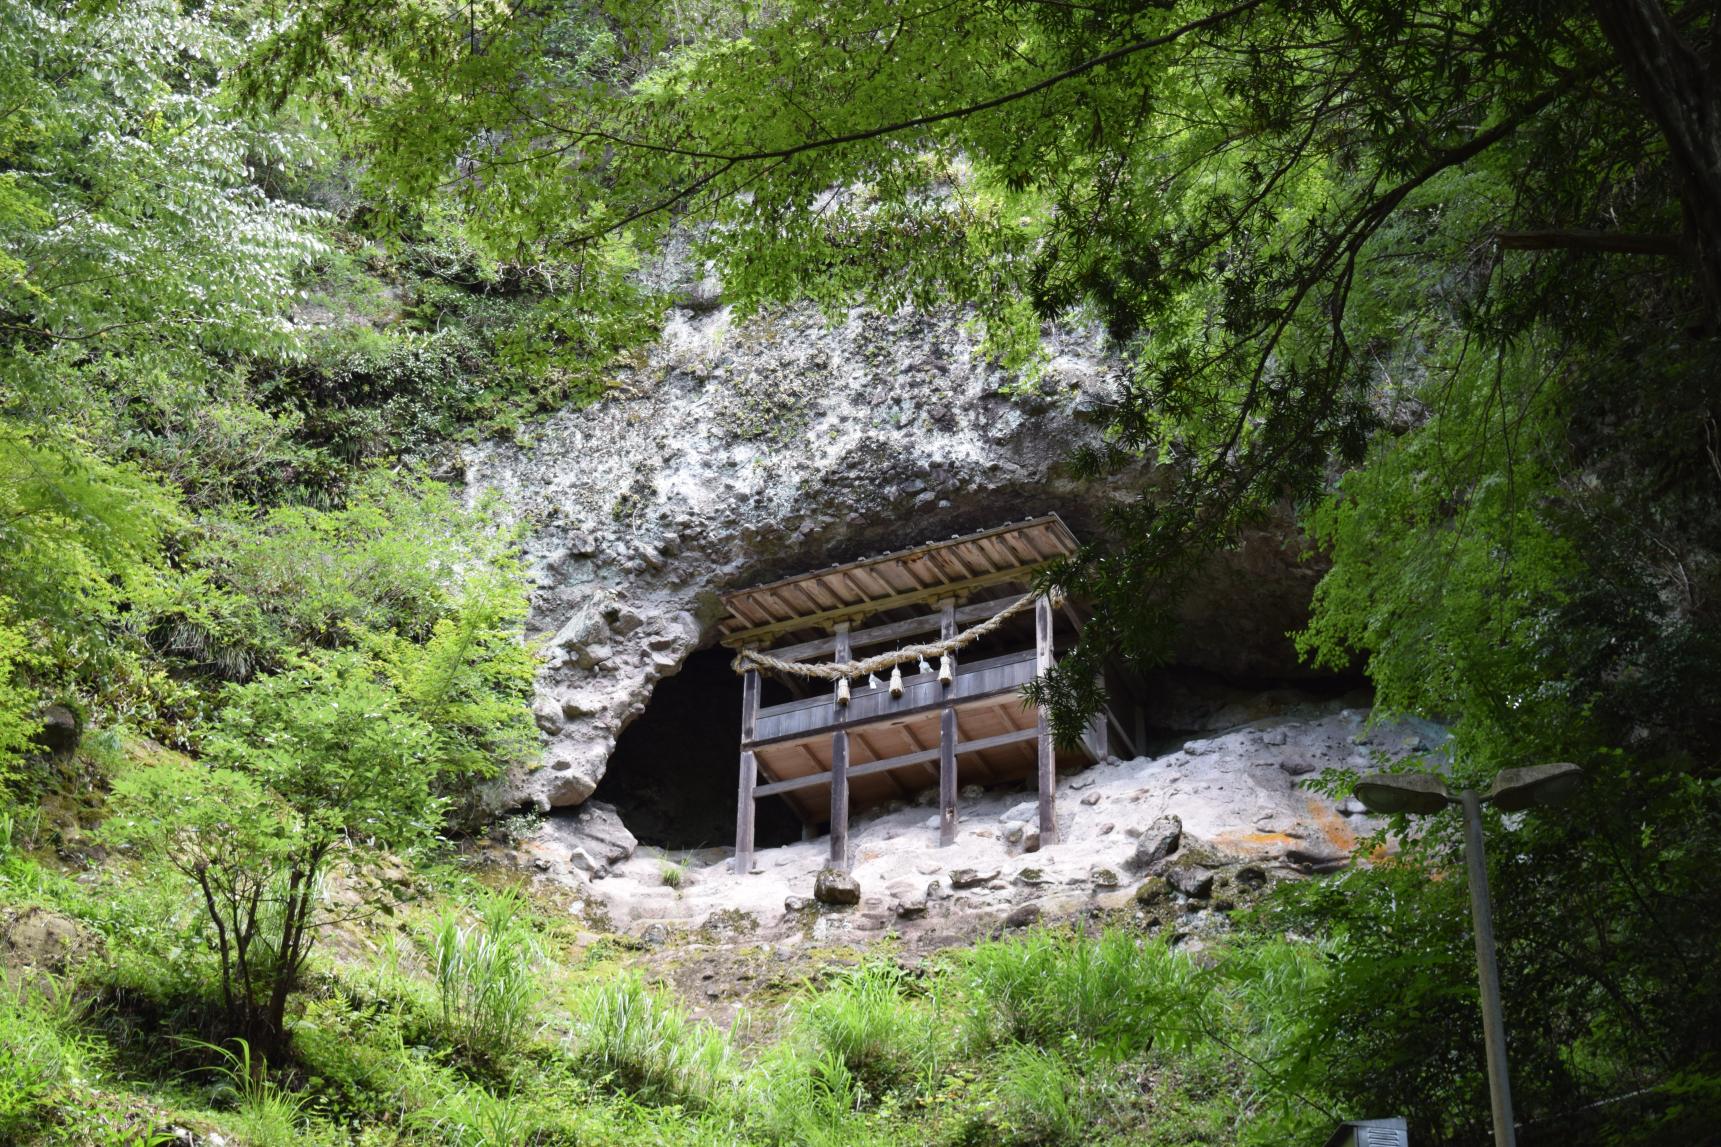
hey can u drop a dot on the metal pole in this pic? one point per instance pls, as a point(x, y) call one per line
point(1493, 1019)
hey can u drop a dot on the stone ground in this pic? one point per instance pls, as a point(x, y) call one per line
point(1247, 820)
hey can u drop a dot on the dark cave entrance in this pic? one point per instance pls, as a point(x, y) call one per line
point(672, 775)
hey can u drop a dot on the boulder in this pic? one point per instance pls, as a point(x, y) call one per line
point(1156, 842)
point(834, 886)
point(1028, 812)
point(38, 940)
point(59, 733)
point(597, 827)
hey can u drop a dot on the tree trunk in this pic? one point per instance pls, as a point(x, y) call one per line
point(1677, 87)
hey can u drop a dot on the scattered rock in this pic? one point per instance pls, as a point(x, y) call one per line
point(1091, 799)
point(1031, 840)
point(1195, 883)
point(1156, 842)
point(1251, 876)
point(655, 935)
point(1022, 917)
point(833, 886)
point(1273, 737)
point(1013, 832)
point(1032, 876)
point(972, 792)
point(1103, 877)
point(1152, 891)
point(971, 877)
point(1311, 860)
point(1298, 766)
point(911, 907)
point(796, 903)
point(1027, 812)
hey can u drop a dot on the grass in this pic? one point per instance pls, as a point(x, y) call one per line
point(466, 1016)
point(487, 975)
point(647, 1045)
point(267, 1114)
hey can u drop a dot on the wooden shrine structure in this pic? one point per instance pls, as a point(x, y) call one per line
point(945, 720)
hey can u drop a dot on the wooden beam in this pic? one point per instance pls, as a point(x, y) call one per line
point(947, 736)
point(1048, 762)
point(891, 714)
point(907, 732)
point(1123, 734)
point(745, 802)
point(917, 758)
point(760, 634)
point(892, 631)
point(902, 790)
point(840, 773)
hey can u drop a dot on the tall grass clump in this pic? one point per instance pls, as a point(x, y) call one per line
point(487, 976)
point(646, 1045)
point(40, 1051)
point(807, 1099)
point(872, 1018)
point(1115, 994)
point(1041, 1098)
point(267, 1114)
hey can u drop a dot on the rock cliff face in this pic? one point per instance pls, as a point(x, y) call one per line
point(734, 453)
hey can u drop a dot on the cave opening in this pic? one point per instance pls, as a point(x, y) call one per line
point(672, 774)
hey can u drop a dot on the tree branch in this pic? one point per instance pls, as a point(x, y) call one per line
point(1619, 243)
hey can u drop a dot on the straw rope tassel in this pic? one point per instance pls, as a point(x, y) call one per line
point(895, 681)
point(843, 691)
point(946, 672)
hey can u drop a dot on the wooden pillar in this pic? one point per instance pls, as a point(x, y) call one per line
point(840, 771)
point(947, 735)
point(1048, 761)
point(744, 802)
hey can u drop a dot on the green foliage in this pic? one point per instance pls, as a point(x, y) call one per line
point(1111, 995)
point(18, 721)
point(868, 1018)
point(302, 765)
point(647, 1045)
point(487, 977)
point(44, 1051)
point(269, 1115)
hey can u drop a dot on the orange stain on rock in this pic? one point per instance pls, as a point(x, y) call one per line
point(1258, 841)
point(1332, 825)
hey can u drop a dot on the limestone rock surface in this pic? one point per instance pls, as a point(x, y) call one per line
point(732, 453)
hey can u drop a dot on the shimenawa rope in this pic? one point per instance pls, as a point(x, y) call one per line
point(844, 670)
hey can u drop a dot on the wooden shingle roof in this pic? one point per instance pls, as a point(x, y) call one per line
point(810, 602)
